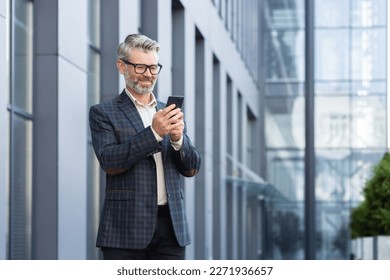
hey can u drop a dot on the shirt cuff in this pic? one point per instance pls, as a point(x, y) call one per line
point(178, 144)
point(158, 137)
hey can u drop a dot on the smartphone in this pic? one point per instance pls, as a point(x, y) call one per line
point(175, 99)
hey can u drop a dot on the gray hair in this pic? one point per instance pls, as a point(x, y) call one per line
point(136, 41)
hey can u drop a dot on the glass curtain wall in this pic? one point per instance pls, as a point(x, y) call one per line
point(350, 111)
point(21, 118)
point(285, 126)
point(350, 115)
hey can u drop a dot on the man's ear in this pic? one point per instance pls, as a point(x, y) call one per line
point(121, 66)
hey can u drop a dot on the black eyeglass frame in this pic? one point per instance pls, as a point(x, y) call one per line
point(135, 65)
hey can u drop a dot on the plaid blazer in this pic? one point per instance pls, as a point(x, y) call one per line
point(125, 148)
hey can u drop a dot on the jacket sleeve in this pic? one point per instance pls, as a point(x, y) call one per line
point(118, 149)
point(187, 159)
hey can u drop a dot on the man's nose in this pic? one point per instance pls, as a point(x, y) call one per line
point(148, 73)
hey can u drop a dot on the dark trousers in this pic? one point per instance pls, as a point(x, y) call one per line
point(163, 245)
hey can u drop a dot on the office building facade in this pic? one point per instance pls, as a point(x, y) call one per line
point(242, 67)
point(59, 59)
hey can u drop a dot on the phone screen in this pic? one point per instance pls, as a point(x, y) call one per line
point(177, 100)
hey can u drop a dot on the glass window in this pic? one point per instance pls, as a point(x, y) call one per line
point(21, 188)
point(250, 138)
point(332, 58)
point(332, 13)
point(94, 22)
point(21, 130)
point(368, 123)
point(340, 177)
point(333, 233)
point(285, 13)
point(332, 121)
point(368, 13)
point(368, 51)
point(285, 54)
point(285, 169)
point(332, 174)
point(22, 55)
point(285, 122)
point(93, 77)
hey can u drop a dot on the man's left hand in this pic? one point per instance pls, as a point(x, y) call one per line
point(178, 126)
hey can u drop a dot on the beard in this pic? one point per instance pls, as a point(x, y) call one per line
point(137, 88)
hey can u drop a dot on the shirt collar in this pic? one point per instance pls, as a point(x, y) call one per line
point(152, 102)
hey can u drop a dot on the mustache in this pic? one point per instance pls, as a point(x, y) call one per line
point(134, 84)
point(138, 89)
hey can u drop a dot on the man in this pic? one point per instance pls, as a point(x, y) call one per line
point(143, 148)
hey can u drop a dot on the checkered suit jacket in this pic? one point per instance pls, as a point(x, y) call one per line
point(125, 148)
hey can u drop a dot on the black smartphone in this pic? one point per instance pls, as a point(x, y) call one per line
point(175, 99)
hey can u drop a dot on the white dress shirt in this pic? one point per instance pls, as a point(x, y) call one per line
point(146, 113)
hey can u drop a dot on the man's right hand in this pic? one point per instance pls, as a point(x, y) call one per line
point(165, 119)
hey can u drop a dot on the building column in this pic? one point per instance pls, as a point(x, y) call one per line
point(45, 140)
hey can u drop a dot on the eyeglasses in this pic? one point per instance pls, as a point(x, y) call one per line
point(141, 68)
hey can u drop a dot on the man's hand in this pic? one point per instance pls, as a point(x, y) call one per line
point(169, 120)
point(178, 128)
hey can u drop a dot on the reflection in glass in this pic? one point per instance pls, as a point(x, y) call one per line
point(368, 127)
point(285, 169)
point(350, 111)
point(285, 54)
point(285, 126)
point(22, 56)
point(21, 192)
point(332, 55)
point(332, 122)
point(20, 215)
point(368, 13)
point(367, 54)
point(332, 13)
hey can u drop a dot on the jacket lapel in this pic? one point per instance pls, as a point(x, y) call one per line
point(130, 111)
